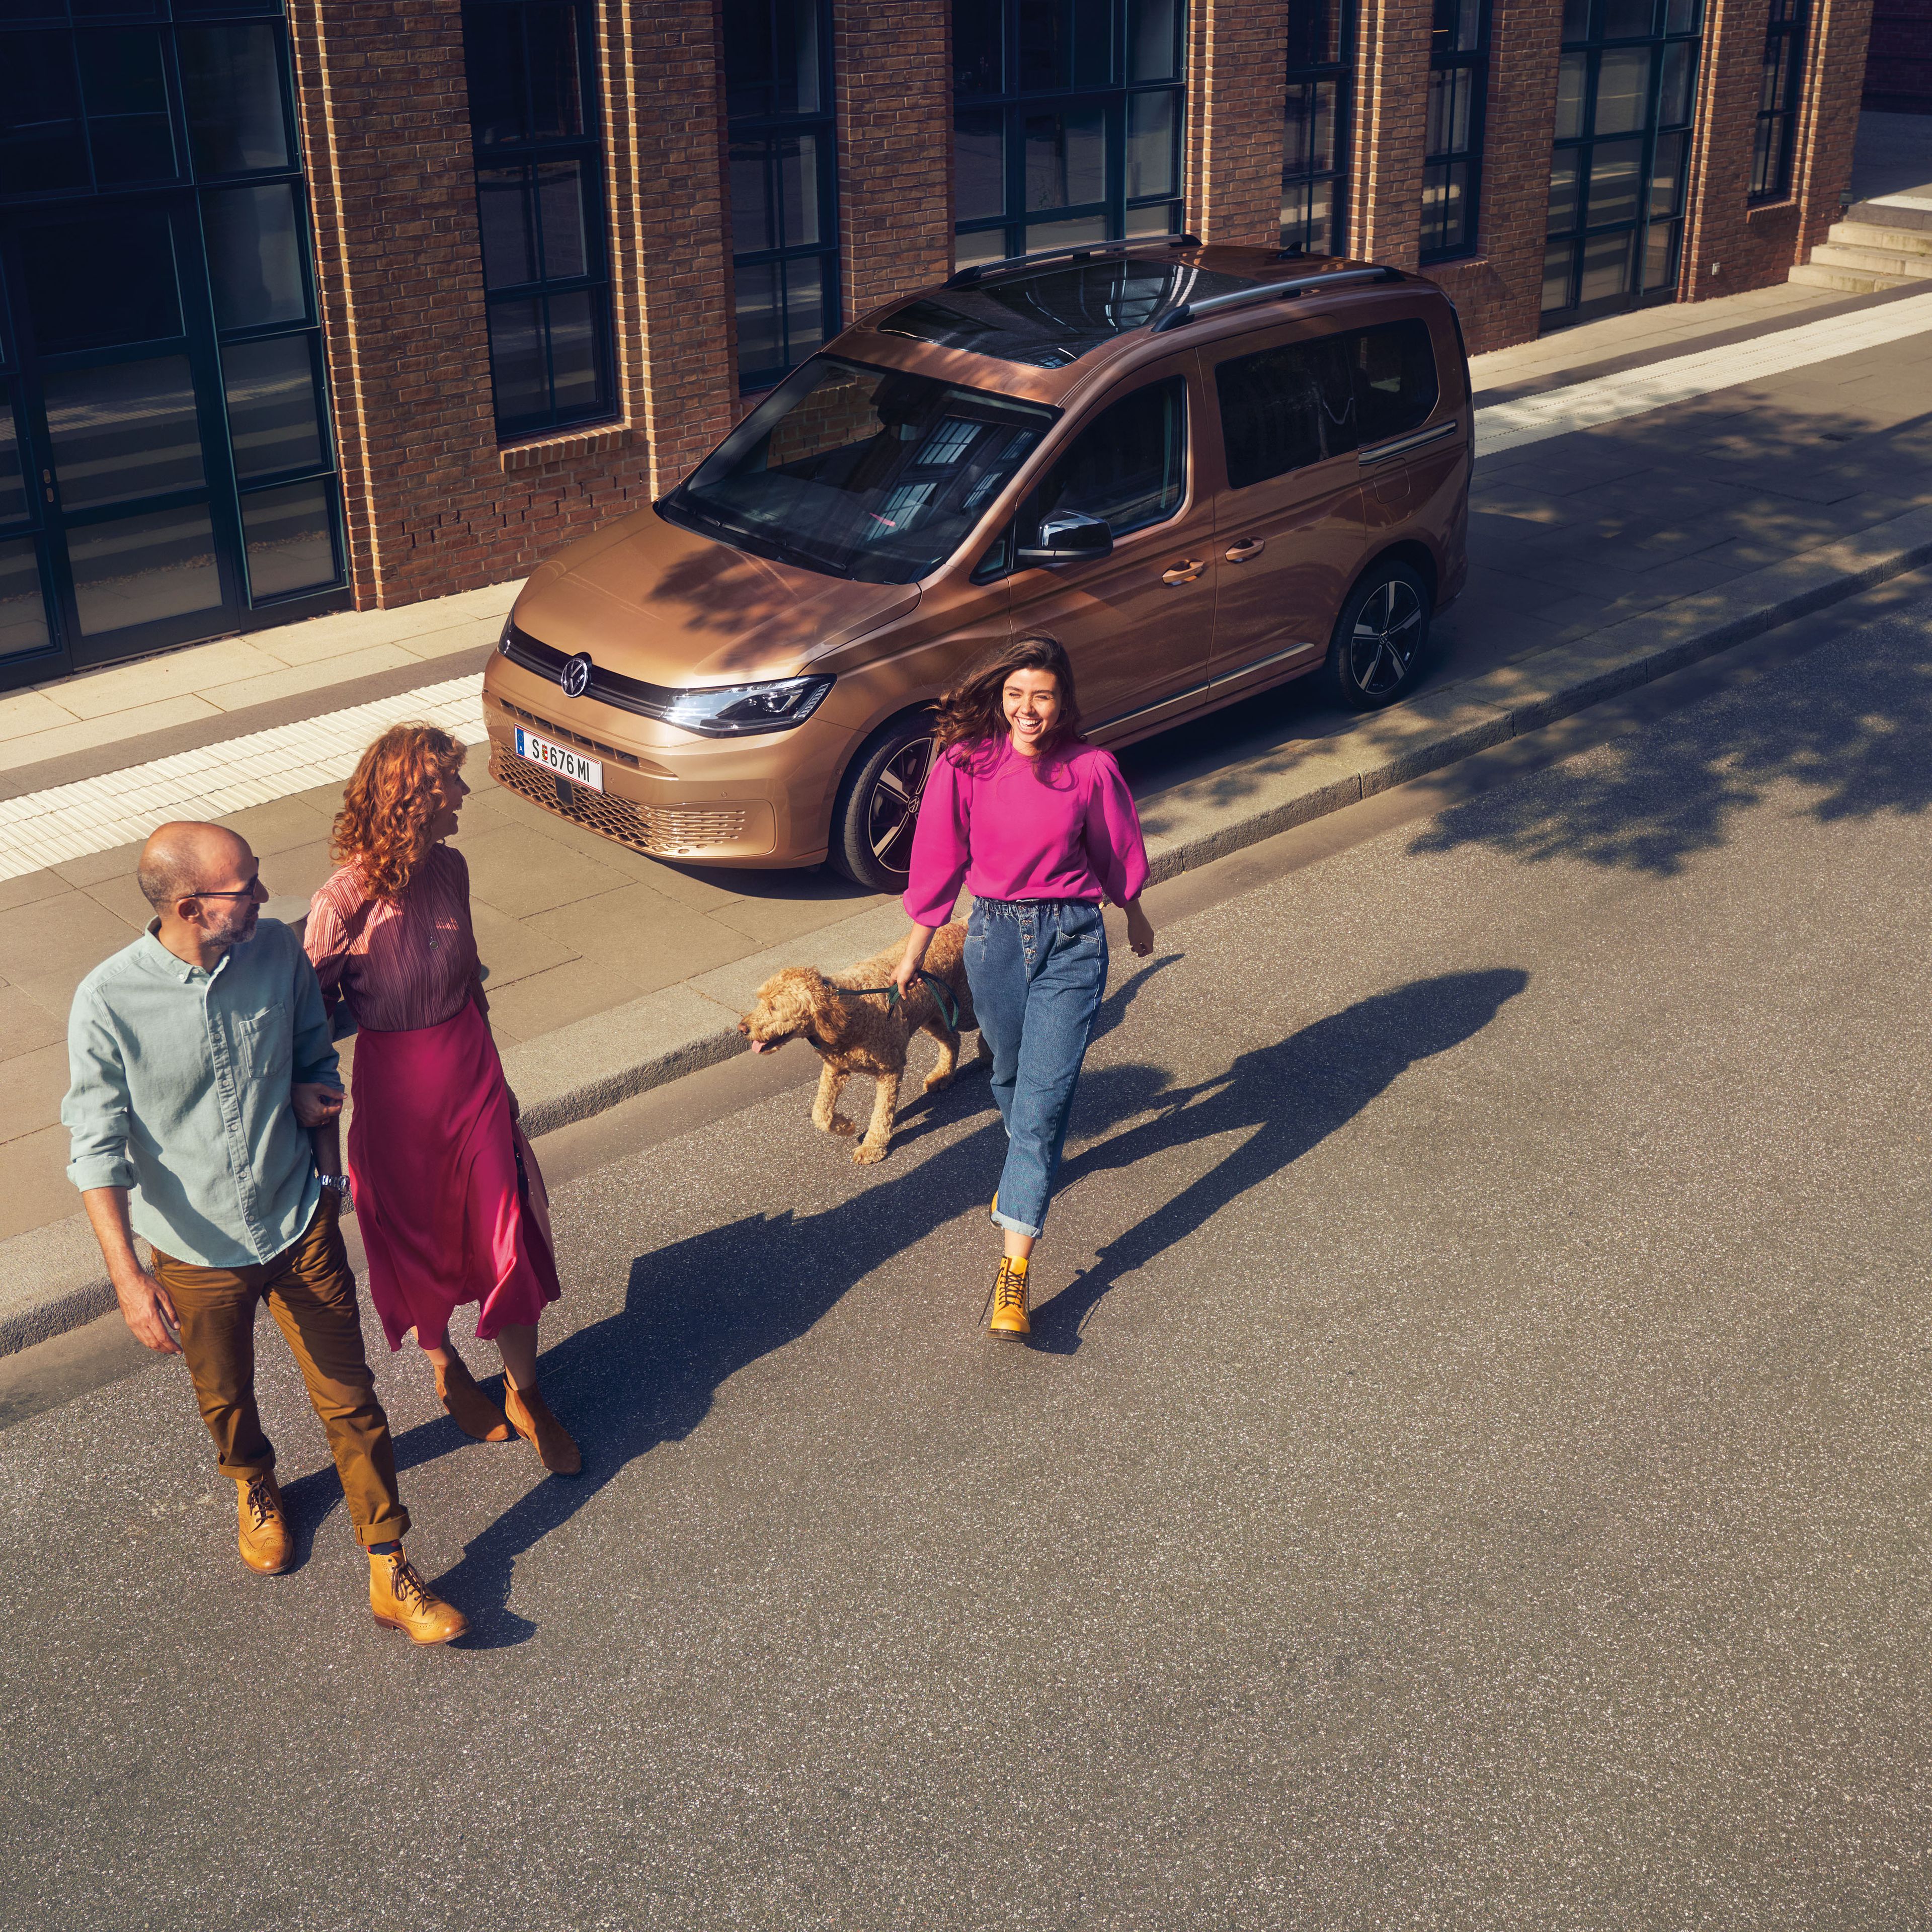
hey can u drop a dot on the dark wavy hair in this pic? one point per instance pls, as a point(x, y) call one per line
point(971, 714)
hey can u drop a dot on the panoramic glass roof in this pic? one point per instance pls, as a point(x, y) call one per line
point(1056, 314)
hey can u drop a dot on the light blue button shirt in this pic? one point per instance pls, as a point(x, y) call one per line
point(180, 1093)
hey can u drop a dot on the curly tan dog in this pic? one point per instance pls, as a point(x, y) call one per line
point(864, 1034)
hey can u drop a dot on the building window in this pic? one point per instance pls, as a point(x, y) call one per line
point(539, 161)
point(785, 200)
point(1315, 144)
point(1626, 98)
point(1452, 159)
point(1067, 122)
point(1778, 104)
point(167, 467)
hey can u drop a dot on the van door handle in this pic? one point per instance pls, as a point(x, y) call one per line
point(1242, 552)
point(1184, 573)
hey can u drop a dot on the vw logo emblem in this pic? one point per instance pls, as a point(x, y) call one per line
point(575, 676)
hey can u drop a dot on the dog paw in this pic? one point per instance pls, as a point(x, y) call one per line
point(838, 1124)
point(934, 1082)
point(866, 1155)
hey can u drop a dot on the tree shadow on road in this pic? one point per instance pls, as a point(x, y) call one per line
point(697, 1311)
point(1851, 723)
point(1293, 1095)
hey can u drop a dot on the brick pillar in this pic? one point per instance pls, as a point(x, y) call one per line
point(1236, 88)
point(894, 99)
point(1755, 247)
point(385, 121)
point(1499, 292)
point(1391, 109)
point(671, 226)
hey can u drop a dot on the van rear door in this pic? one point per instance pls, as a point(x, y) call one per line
point(1289, 519)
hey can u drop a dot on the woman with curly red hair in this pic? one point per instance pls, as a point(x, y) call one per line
point(447, 1190)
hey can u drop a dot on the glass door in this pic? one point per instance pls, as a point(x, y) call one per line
point(1626, 93)
point(166, 470)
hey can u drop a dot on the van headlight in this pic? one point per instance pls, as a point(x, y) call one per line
point(735, 710)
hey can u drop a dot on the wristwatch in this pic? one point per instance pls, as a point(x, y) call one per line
point(338, 1184)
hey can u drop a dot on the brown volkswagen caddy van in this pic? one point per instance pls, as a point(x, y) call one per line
point(1205, 469)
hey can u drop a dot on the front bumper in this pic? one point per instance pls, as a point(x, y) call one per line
point(764, 800)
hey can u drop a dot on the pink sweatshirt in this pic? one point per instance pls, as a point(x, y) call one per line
point(1066, 831)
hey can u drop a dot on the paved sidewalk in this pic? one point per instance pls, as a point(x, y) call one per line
point(1648, 520)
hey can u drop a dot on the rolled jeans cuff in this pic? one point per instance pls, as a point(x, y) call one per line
point(1013, 1226)
point(385, 1529)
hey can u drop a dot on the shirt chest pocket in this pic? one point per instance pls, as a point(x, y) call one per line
point(263, 1042)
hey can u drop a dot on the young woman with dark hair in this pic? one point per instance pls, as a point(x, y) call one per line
point(1040, 825)
point(447, 1189)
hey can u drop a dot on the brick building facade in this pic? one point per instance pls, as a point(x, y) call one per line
point(537, 286)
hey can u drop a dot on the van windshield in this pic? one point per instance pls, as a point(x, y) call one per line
point(872, 474)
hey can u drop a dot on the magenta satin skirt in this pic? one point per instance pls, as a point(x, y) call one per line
point(434, 1154)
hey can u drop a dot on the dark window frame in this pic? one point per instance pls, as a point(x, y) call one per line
point(773, 125)
point(1781, 101)
point(1452, 67)
point(1114, 215)
point(1308, 77)
point(530, 153)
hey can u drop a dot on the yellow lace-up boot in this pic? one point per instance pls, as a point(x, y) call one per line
point(1009, 1300)
point(402, 1600)
point(263, 1529)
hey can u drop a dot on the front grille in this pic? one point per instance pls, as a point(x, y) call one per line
point(661, 830)
point(607, 687)
point(615, 753)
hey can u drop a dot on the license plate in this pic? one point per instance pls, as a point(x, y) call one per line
point(566, 764)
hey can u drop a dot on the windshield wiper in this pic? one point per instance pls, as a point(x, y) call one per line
point(760, 543)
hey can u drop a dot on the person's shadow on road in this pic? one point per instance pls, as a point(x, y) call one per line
point(698, 1311)
point(1292, 1096)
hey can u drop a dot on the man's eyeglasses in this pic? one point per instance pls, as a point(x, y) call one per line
point(246, 892)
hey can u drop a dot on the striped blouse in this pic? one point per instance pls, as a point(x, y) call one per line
point(400, 964)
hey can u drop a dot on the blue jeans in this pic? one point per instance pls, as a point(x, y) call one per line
point(1037, 968)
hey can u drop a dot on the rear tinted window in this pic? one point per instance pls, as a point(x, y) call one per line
point(1286, 407)
point(1395, 378)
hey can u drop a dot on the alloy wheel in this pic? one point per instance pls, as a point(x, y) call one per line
point(1388, 633)
point(892, 810)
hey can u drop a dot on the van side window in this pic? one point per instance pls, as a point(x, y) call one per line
point(1129, 466)
point(1284, 408)
point(1394, 366)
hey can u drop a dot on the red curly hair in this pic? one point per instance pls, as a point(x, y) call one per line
point(382, 829)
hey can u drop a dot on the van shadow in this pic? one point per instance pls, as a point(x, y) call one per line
point(698, 1311)
point(1293, 1095)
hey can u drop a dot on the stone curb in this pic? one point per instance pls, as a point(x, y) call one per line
point(49, 1277)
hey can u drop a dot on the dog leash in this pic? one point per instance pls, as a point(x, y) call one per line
point(948, 1005)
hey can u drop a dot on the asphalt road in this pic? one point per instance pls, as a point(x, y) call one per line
point(1473, 1471)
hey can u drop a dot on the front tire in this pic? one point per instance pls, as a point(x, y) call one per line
point(1381, 638)
point(878, 805)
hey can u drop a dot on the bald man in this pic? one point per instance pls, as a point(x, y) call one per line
point(205, 1111)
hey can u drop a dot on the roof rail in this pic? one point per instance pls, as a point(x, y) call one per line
point(1187, 312)
point(1079, 251)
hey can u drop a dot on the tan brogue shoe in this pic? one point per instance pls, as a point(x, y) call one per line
point(264, 1538)
point(402, 1600)
point(530, 1417)
point(474, 1413)
point(1009, 1300)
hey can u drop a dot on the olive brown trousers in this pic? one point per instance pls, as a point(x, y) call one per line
point(310, 1292)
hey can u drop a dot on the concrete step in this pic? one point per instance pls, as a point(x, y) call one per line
point(1874, 235)
point(1874, 261)
point(1889, 214)
point(1849, 281)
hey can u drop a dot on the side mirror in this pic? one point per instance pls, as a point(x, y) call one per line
point(1069, 537)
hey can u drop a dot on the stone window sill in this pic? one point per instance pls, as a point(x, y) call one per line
point(588, 441)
